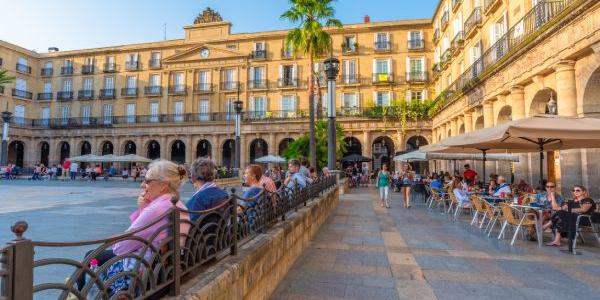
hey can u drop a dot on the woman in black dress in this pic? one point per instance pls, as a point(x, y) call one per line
point(563, 221)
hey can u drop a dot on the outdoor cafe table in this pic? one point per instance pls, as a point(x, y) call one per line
point(539, 220)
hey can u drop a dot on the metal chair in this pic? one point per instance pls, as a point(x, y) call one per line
point(588, 222)
point(515, 218)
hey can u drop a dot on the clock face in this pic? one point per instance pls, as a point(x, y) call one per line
point(204, 52)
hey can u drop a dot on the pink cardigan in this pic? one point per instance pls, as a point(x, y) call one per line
point(142, 217)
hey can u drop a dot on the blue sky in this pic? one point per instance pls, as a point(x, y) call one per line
point(79, 24)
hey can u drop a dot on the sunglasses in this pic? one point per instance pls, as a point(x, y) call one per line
point(550, 186)
point(576, 190)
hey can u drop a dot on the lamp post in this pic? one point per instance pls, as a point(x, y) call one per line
point(238, 105)
point(332, 67)
point(6, 115)
point(551, 105)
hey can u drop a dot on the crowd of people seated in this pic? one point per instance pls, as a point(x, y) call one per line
point(555, 209)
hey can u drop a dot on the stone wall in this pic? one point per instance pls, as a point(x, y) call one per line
point(264, 261)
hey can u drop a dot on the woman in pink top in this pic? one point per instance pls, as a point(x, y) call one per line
point(161, 184)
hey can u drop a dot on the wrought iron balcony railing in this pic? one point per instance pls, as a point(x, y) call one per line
point(472, 22)
point(287, 82)
point(66, 70)
point(153, 90)
point(107, 94)
point(413, 77)
point(178, 89)
point(350, 49)
point(22, 94)
point(257, 84)
point(203, 88)
point(286, 53)
point(383, 78)
point(129, 92)
point(44, 96)
point(259, 54)
point(154, 63)
point(85, 95)
point(87, 69)
point(229, 86)
point(382, 46)
point(444, 20)
point(346, 79)
point(22, 68)
point(110, 67)
point(64, 96)
point(133, 65)
point(47, 72)
point(416, 44)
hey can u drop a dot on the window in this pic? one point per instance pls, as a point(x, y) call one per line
point(349, 72)
point(154, 112)
point(89, 61)
point(110, 64)
point(258, 106)
point(178, 110)
point(458, 23)
point(130, 112)
point(259, 46)
point(21, 84)
point(86, 112)
point(67, 85)
point(416, 68)
point(67, 63)
point(48, 65)
point(19, 114)
point(350, 101)
point(416, 95)
point(288, 105)
point(382, 41)
point(229, 108)
point(203, 110)
point(350, 43)
point(382, 98)
point(65, 114)
point(178, 82)
point(229, 79)
point(288, 75)
point(288, 50)
point(415, 36)
point(22, 61)
point(154, 80)
point(256, 77)
point(382, 66)
point(109, 82)
point(131, 58)
point(131, 82)
point(204, 80)
point(88, 84)
point(47, 86)
point(107, 113)
point(155, 57)
point(45, 115)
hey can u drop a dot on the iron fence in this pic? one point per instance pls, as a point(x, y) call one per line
point(180, 244)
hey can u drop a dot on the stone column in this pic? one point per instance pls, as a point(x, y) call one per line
point(566, 90)
point(453, 126)
point(517, 102)
point(164, 147)
point(488, 114)
point(273, 147)
point(366, 146)
point(244, 151)
point(189, 149)
point(468, 120)
point(139, 147)
point(216, 152)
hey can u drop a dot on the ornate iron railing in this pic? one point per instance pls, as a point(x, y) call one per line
point(179, 244)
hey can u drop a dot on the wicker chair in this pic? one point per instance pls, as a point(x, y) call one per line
point(477, 203)
point(494, 215)
point(515, 218)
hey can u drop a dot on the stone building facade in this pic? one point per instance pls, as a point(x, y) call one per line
point(174, 99)
point(498, 60)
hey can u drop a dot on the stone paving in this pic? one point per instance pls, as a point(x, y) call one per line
point(364, 251)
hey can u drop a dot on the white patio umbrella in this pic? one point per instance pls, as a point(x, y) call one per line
point(419, 155)
point(84, 158)
point(271, 159)
point(132, 158)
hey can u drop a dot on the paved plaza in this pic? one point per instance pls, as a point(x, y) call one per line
point(364, 251)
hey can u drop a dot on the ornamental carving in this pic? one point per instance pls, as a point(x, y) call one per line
point(208, 16)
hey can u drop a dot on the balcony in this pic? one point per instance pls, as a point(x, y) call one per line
point(133, 65)
point(456, 5)
point(154, 64)
point(257, 84)
point(85, 95)
point(458, 42)
point(436, 36)
point(436, 69)
point(259, 54)
point(87, 69)
point(229, 86)
point(383, 78)
point(416, 44)
point(64, 96)
point(47, 72)
point(445, 59)
point(22, 94)
point(107, 94)
point(350, 49)
point(417, 77)
point(66, 70)
point(286, 53)
point(44, 96)
point(110, 67)
point(489, 6)
point(382, 46)
point(349, 79)
point(153, 90)
point(287, 82)
point(129, 92)
point(21, 68)
point(444, 20)
point(178, 89)
point(203, 88)
point(473, 22)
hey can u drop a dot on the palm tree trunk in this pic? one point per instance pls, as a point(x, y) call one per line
point(312, 142)
point(319, 101)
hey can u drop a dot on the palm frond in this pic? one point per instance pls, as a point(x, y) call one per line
point(5, 78)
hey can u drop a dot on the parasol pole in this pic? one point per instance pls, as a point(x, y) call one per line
point(484, 151)
point(541, 144)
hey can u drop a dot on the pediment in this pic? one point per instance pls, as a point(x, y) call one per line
point(193, 54)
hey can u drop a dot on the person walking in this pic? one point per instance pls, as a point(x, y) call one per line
point(73, 169)
point(406, 176)
point(383, 183)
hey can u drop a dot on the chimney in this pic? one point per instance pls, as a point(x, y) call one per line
point(52, 49)
point(367, 19)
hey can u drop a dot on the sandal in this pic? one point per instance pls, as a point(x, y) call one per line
point(552, 244)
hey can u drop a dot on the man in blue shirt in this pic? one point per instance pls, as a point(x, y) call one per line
point(208, 194)
point(544, 198)
point(294, 175)
point(435, 183)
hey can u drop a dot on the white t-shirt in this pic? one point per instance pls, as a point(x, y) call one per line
point(73, 167)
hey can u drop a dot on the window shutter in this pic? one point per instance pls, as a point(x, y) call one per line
point(280, 71)
point(408, 94)
point(251, 104)
point(424, 64)
point(375, 98)
point(251, 74)
point(425, 94)
point(374, 66)
point(408, 35)
point(391, 97)
point(295, 72)
point(390, 66)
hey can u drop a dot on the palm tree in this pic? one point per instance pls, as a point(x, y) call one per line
point(4, 78)
point(310, 39)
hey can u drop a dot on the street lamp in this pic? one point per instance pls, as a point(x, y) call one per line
point(238, 105)
point(551, 105)
point(332, 68)
point(6, 115)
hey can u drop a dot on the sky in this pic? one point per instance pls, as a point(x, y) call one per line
point(81, 24)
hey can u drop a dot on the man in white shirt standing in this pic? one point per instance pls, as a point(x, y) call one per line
point(73, 169)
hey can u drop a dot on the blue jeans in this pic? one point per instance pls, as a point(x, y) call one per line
point(73, 175)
